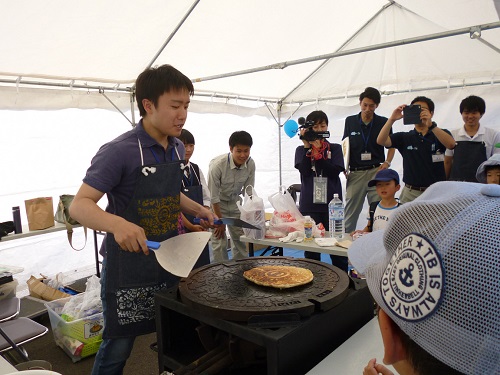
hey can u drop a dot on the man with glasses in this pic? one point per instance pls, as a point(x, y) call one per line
point(422, 149)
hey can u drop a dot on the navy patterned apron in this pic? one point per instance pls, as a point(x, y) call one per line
point(132, 279)
point(467, 157)
point(191, 187)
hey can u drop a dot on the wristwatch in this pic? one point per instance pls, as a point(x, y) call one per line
point(434, 125)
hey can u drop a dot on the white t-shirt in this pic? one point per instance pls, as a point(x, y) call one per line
point(381, 217)
point(487, 135)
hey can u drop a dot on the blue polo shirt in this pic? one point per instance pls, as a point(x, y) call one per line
point(113, 170)
point(363, 138)
point(417, 150)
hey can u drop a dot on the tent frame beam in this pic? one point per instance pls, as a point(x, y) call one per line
point(396, 43)
point(228, 96)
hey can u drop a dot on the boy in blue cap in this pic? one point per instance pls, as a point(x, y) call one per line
point(386, 183)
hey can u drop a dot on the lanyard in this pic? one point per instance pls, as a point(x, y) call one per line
point(171, 156)
point(365, 139)
point(434, 142)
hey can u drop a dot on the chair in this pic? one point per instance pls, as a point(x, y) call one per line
point(15, 331)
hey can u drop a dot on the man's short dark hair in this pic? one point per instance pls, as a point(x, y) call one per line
point(370, 93)
point(472, 104)
point(154, 82)
point(317, 117)
point(240, 138)
point(426, 100)
point(186, 137)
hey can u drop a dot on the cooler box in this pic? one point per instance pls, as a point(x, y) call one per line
point(79, 338)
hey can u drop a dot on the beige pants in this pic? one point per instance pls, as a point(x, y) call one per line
point(356, 191)
point(408, 195)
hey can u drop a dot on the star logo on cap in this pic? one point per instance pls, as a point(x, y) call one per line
point(413, 283)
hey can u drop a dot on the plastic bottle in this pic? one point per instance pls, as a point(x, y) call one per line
point(336, 217)
point(308, 229)
point(16, 214)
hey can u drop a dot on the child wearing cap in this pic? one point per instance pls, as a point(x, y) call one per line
point(489, 171)
point(386, 183)
point(434, 274)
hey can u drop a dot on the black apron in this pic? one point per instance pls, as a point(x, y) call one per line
point(467, 157)
point(191, 187)
point(132, 279)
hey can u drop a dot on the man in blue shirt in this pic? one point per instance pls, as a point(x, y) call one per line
point(422, 149)
point(366, 157)
point(141, 173)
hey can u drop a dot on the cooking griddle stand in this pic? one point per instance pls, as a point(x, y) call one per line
point(290, 349)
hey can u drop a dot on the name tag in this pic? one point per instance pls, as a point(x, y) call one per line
point(437, 158)
point(320, 189)
point(366, 156)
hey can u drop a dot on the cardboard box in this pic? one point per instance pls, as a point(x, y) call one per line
point(42, 291)
point(78, 338)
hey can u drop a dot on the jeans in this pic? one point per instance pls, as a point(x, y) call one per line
point(113, 353)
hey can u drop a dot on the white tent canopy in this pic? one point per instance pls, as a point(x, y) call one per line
point(253, 63)
point(59, 54)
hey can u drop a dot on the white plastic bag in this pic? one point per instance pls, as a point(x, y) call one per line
point(286, 217)
point(252, 211)
point(84, 304)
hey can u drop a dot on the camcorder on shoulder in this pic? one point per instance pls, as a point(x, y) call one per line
point(411, 114)
point(310, 135)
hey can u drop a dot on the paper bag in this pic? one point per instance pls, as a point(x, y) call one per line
point(40, 213)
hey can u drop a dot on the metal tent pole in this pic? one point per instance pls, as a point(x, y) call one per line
point(401, 42)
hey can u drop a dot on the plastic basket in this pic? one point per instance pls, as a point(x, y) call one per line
point(79, 338)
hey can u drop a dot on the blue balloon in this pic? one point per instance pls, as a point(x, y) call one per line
point(291, 128)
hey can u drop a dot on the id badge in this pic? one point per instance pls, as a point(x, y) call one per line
point(366, 156)
point(320, 189)
point(436, 158)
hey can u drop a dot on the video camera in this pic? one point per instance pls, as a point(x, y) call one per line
point(310, 135)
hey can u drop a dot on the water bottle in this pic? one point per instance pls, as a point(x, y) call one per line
point(16, 214)
point(336, 217)
point(308, 229)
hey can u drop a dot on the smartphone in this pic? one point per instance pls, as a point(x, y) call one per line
point(411, 114)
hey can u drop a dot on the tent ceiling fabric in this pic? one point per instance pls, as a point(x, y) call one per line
point(65, 46)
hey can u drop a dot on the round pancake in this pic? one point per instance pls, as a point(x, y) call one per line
point(279, 276)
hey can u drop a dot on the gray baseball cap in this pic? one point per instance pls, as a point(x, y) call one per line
point(481, 171)
point(435, 270)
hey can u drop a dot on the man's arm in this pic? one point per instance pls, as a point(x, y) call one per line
point(448, 163)
point(445, 138)
point(193, 208)
point(219, 230)
point(85, 210)
point(190, 226)
point(383, 138)
point(390, 155)
point(251, 175)
point(214, 184)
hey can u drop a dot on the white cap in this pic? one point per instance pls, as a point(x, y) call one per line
point(481, 172)
point(435, 270)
